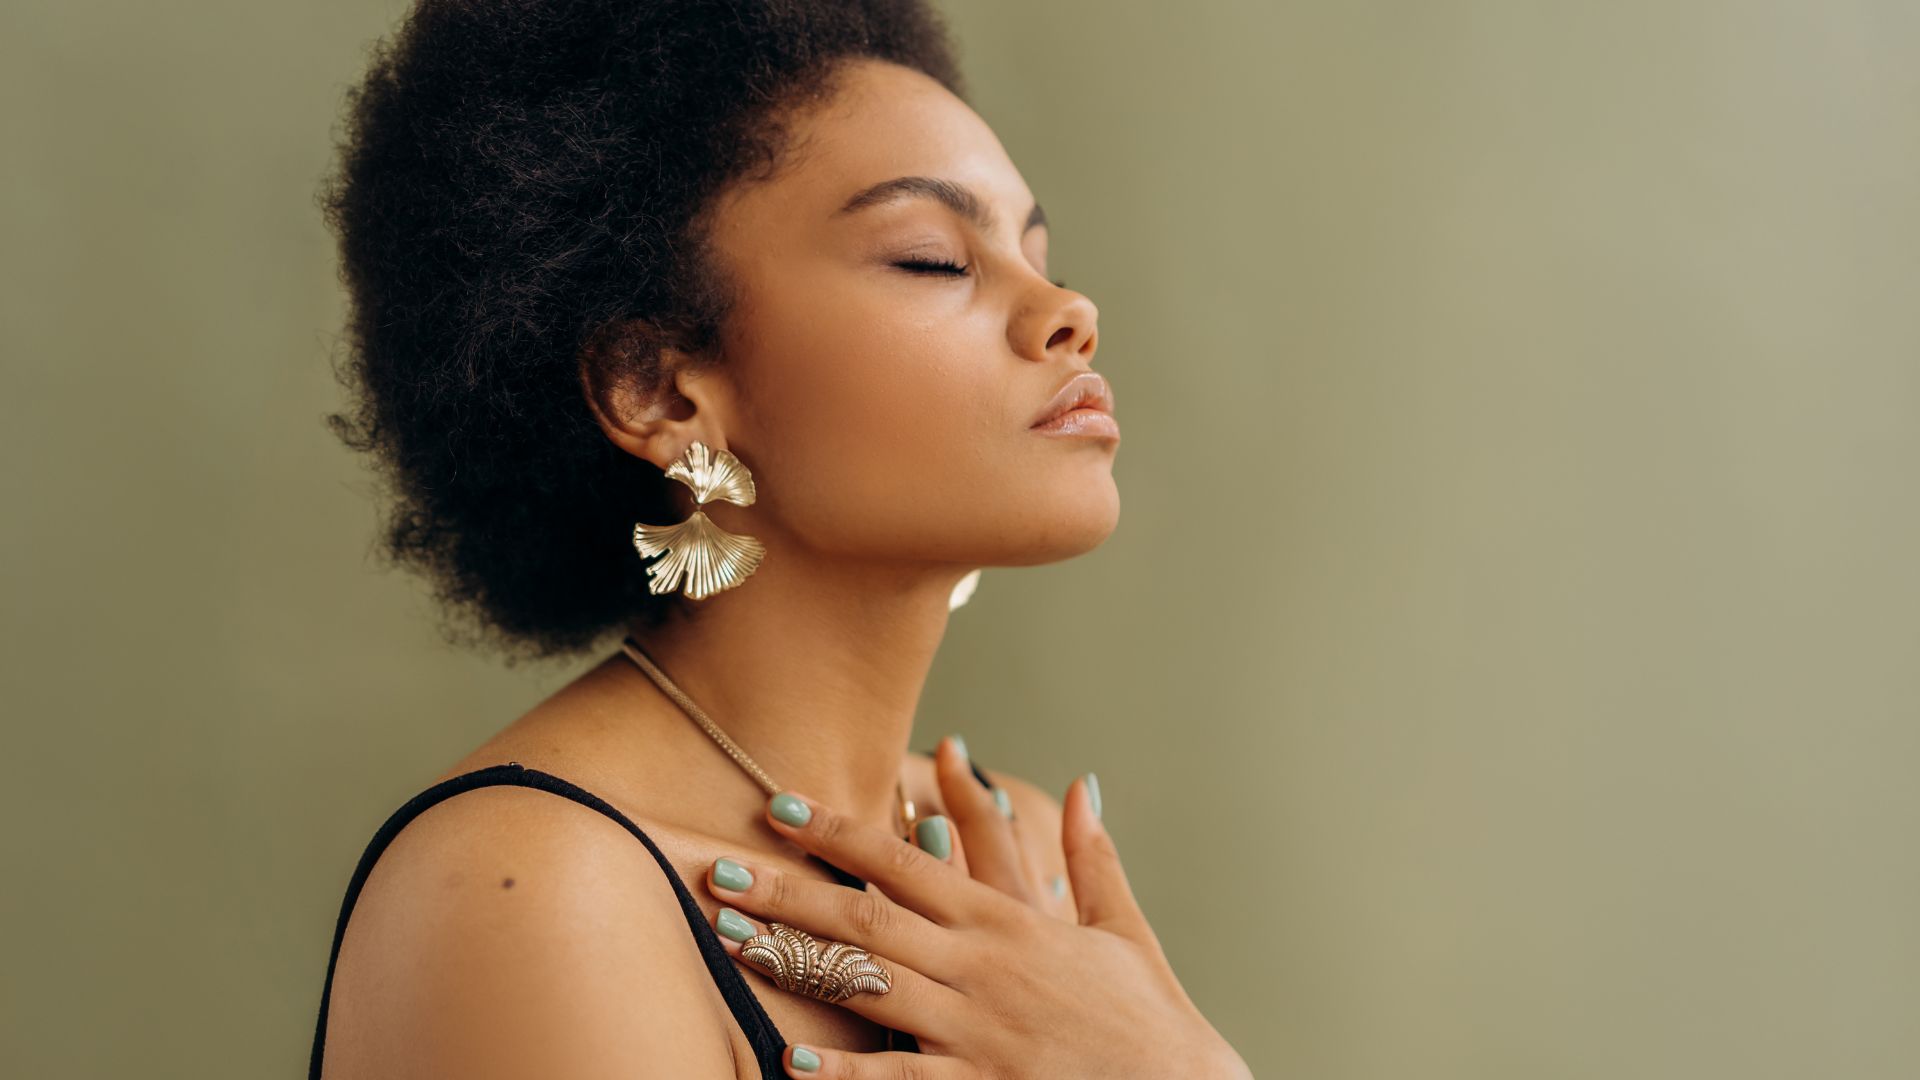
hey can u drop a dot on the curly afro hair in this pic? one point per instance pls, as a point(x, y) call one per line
point(521, 185)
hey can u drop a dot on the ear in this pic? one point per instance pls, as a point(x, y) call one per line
point(651, 404)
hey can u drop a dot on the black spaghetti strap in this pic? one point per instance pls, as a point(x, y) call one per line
point(747, 1011)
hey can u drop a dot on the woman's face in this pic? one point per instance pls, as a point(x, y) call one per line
point(883, 404)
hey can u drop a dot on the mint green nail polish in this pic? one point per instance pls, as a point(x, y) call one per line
point(959, 744)
point(789, 809)
point(1059, 885)
point(933, 836)
point(805, 1060)
point(1001, 800)
point(732, 925)
point(731, 875)
point(1093, 793)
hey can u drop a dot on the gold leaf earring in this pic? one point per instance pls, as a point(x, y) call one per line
point(708, 557)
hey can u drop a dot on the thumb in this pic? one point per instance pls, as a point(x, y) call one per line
point(1100, 888)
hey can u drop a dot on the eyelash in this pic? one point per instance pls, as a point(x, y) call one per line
point(922, 266)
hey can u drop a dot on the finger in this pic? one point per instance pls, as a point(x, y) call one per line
point(1060, 902)
point(814, 1063)
point(1045, 865)
point(935, 835)
point(1050, 889)
point(912, 1002)
point(1099, 883)
point(994, 854)
point(827, 909)
point(909, 875)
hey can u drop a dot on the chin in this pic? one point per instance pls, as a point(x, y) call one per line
point(1076, 520)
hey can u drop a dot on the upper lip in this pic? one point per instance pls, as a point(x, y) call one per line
point(1085, 390)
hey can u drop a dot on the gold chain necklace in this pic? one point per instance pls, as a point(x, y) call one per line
point(739, 756)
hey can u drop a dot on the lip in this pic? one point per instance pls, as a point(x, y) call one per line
point(1082, 422)
point(1082, 406)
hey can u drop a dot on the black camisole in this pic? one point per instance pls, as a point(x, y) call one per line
point(754, 1022)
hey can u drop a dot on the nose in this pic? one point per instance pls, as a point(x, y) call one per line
point(1061, 325)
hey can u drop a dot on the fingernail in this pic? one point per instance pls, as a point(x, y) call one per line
point(790, 809)
point(932, 835)
point(959, 744)
point(731, 875)
point(1059, 884)
point(1001, 800)
point(1093, 793)
point(805, 1060)
point(732, 925)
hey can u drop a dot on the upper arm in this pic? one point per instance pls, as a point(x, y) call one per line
point(513, 932)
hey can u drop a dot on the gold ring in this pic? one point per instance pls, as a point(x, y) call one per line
point(801, 963)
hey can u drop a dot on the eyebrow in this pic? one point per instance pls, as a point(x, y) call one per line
point(954, 195)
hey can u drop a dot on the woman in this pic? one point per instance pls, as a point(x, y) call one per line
point(725, 326)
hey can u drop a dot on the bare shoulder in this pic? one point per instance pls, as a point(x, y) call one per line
point(508, 931)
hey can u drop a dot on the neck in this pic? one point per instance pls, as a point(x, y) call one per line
point(815, 670)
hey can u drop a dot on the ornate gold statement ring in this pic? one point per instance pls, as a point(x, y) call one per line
point(800, 963)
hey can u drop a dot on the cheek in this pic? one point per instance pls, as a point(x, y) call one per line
point(890, 426)
point(884, 432)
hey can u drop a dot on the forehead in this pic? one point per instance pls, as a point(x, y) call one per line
point(883, 121)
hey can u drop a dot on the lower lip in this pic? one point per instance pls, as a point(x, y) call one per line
point(1082, 422)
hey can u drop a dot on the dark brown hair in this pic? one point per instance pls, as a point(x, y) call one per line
point(520, 184)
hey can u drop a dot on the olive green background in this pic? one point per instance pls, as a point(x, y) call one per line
point(1507, 664)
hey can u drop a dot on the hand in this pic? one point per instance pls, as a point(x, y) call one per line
point(992, 988)
point(985, 837)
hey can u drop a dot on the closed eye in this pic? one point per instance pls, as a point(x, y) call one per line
point(934, 266)
point(931, 266)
